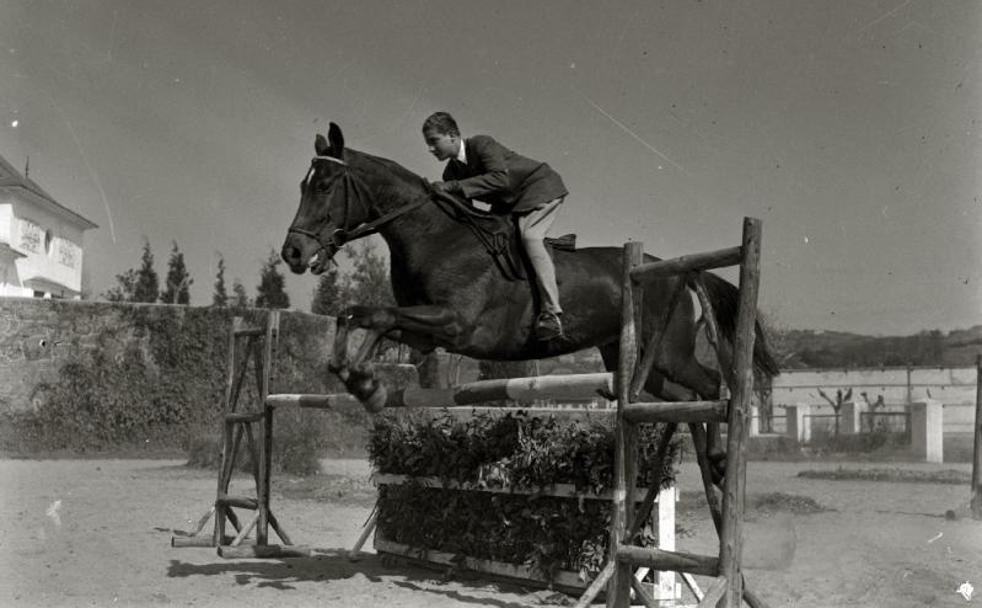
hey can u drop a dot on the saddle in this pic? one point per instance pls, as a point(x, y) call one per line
point(499, 235)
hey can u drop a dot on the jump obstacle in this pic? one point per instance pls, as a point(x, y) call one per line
point(630, 510)
point(258, 345)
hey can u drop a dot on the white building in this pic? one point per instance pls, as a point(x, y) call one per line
point(40, 240)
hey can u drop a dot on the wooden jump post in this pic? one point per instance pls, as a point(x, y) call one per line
point(977, 447)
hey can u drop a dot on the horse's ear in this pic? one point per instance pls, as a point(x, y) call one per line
point(336, 138)
point(320, 145)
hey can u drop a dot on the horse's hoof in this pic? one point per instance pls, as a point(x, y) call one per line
point(366, 369)
point(376, 401)
point(718, 472)
point(343, 373)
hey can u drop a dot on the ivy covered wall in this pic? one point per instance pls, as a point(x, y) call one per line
point(82, 375)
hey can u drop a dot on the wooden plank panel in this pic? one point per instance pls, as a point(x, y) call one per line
point(518, 573)
point(680, 411)
point(656, 559)
point(560, 490)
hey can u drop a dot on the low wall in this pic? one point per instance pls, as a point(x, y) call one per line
point(83, 374)
point(898, 385)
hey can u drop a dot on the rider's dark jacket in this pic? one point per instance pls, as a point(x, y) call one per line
point(509, 182)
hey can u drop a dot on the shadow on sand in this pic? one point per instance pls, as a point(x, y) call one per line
point(334, 565)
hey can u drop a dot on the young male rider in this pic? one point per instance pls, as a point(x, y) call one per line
point(480, 168)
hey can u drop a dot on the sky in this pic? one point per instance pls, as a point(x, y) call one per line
point(850, 128)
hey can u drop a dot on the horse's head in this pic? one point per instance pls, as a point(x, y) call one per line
point(332, 203)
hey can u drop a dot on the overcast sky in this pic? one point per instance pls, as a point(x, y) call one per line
point(852, 129)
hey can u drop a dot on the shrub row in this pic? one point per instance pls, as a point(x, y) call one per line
point(510, 450)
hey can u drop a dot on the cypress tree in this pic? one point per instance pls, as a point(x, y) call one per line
point(270, 293)
point(178, 281)
point(147, 286)
point(220, 297)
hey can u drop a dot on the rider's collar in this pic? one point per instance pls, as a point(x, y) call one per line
point(462, 153)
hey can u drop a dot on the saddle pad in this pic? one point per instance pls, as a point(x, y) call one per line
point(567, 242)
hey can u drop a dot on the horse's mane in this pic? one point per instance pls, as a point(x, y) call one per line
point(402, 177)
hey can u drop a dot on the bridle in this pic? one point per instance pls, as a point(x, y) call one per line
point(339, 236)
point(352, 185)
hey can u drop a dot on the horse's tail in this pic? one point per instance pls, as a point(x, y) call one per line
point(726, 299)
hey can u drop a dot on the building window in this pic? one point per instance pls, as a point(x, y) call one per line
point(38, 294)
point(68, 253)
point(30, 236)
point(49, 238)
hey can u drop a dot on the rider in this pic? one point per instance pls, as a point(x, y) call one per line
point(481, 168)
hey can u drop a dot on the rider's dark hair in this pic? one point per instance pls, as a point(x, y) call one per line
point(441, 122)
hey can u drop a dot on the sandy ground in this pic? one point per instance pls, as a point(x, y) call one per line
point(97, 533)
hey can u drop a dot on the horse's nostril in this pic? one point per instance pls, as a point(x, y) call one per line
point(291, 254)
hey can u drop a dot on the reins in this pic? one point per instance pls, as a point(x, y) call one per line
point(494, 243)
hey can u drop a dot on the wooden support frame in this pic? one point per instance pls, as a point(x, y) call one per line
point(248, 347)
point(703, 417)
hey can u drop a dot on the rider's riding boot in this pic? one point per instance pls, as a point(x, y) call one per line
point(548, 326)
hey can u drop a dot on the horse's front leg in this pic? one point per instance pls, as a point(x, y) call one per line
point(415, 325)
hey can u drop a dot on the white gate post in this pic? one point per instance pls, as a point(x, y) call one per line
point(797, 426)
point(851, 420)
point(927, 430)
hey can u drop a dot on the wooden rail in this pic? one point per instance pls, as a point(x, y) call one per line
point(570, 387)
point(684, 411)
point(687, 263)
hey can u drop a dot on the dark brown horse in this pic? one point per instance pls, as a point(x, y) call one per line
point(451, 294)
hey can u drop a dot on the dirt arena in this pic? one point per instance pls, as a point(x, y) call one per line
point(97, 533)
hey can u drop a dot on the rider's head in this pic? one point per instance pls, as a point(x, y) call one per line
point(442, 135)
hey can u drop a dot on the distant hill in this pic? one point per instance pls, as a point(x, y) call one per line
point(799, 348)
point(833, 349)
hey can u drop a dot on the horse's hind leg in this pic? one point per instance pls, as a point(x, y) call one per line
point(655, 384)
point(676, 348)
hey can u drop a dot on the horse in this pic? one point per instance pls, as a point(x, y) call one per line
point(451, 295)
